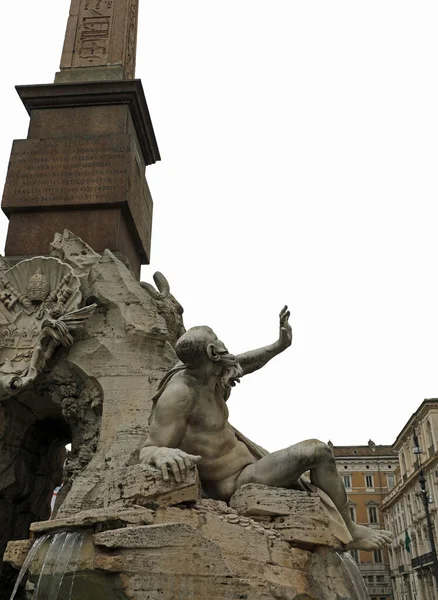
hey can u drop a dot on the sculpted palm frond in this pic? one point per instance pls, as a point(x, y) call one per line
point(77, 318)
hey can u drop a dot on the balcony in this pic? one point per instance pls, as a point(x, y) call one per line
point(422, 561)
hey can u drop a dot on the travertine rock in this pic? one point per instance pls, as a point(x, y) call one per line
point(301, 517)
point(74, 251)
point(215, 554)
point(297, 516)
point(144, 485)
point(304, 530)
point(208, 551)
point(127, 350)
point(104, 517)
point(16, 552)
point(256, 499)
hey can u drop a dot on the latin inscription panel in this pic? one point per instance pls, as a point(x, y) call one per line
point(68, 172)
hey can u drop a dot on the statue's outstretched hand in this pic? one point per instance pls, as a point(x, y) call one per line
point(285, 328)
point(174, 459)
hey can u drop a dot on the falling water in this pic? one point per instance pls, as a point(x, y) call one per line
point(354, 577)
point(74, 561)
point(60, 566)
point(29, 558)
point(62, 554)
point(53, 551)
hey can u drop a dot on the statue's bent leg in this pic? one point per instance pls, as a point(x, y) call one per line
point(282, 469)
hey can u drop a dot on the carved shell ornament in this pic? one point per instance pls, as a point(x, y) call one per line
point(39, 310)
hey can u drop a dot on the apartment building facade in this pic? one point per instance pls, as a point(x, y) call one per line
point(411, 559)
point(368, 473)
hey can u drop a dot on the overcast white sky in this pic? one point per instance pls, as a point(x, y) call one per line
point(299, 145)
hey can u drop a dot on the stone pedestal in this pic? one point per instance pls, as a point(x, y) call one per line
point(82, 167)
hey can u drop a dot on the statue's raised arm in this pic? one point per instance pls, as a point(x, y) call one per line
point(255, 359)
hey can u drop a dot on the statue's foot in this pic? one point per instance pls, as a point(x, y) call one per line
point(365, 538)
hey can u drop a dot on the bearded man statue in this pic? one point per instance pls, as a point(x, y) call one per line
point(189, 425)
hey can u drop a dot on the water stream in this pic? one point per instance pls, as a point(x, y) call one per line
point(62, 555)
point(29, 558)
point(353, 577)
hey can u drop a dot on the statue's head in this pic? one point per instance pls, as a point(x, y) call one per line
point(200, 345)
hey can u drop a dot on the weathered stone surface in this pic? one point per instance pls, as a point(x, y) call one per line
point(303, 530)
point(144, 485)
point(112, 516)
point(16, 552)
point(126, 349)
point(114, 563)
point(297, 515)
point(255, 499)
point(211, 550)
point(195, 553)
point(69, 248)
point(154, 536)
point(221, 559)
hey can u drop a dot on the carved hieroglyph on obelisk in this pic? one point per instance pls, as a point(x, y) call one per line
point(100, 40)
point(82, 166)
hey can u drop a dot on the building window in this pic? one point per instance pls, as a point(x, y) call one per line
point(380, 579)
point(352, 513)
point(369, 481)
point(390, 481)
point(377, 555)
point(347, 482)
point(372, 514)
point(355, 555)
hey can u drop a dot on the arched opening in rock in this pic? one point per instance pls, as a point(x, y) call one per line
point(61, 406)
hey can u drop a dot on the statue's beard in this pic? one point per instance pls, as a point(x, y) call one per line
point(231, 371)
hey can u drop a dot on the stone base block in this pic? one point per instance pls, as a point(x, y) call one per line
point(98, 519)
point(207, 551)
point(16, 552)
point(297, 515)
point(144, 486)
point(255, 499)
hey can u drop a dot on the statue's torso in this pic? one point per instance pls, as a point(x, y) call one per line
point(209, 434)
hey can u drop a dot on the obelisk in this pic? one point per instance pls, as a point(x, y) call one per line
point(100, 41)
point(82, 166)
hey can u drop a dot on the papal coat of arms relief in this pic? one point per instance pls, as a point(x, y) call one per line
point(39, 310)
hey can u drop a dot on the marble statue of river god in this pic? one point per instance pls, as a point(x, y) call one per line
point(189, 425)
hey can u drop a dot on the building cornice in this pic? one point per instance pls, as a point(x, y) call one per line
point(421, 412)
